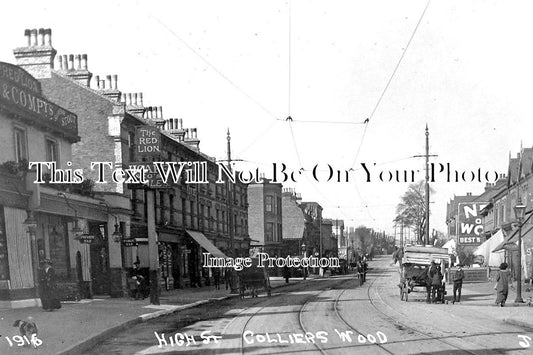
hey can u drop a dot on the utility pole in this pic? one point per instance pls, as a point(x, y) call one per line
point(427, 156)
point(153, 251)
point(234, 280)
point(426, 234)
point(401, 236)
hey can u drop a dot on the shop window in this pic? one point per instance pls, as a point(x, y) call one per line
point(21, 150)
point(4, 263)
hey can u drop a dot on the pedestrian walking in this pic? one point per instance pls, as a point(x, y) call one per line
point(286, 273)
point(502, 285)
point(361, 272)
point(48, 287)
point(227, 277)
point(436, 284)
point(216, 277)
point(458, 283)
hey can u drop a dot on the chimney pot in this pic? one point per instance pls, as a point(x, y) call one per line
point(160, 111)
point(41, 37)
point(129, 102)
point(64, 58)
point(27, 34)
point(77, 62)
point(71, 62)
point(33, 41)
point(134, 99)
point(181, 123)
point(109, 83)
point(115, 81)
point(84, 61)
point(102, 84)
point(97, 80)
point(48, 37)
point(140, 96)
point(59, 62)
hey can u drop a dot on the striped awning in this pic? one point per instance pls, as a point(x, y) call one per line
point(201, 239)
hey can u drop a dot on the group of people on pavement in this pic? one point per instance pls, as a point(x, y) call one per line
point(434, 284)
point(434, 279)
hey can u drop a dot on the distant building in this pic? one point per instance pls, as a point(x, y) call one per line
point(265, 212)
point(293, 221)
point(329, 239)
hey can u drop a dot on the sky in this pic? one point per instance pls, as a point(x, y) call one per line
point(247, 65)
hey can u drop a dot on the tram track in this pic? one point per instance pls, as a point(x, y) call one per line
point(406, 326)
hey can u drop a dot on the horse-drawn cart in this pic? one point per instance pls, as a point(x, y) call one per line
point(253, 278)
point(415, 265)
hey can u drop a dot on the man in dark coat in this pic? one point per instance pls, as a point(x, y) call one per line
point(436, 284)
point(48, 287)
point(458, 283)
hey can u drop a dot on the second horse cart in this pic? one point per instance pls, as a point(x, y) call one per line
point(254, 278)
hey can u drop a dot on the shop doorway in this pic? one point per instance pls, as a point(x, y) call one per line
point(99, 259)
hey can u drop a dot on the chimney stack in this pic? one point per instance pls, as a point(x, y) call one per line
point(37, 56)
point(109, 88)
point(191, 139)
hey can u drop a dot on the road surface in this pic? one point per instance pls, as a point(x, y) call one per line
point(332, 315)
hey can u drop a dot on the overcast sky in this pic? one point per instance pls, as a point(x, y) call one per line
point(467, 73)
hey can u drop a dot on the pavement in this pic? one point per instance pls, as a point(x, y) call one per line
point(78, 326)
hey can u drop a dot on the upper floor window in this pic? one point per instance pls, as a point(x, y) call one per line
point(269, 202)
point(21, 151)
point(52, 151)
point(269, 232)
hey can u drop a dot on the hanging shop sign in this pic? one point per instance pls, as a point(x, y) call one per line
point(147, 141)
point(152, 177)
point(86, 238)
point(130, 243)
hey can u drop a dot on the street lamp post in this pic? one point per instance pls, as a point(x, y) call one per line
point(519, 211)
point(304, 268)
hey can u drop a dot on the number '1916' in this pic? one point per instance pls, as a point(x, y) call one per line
point(23, 340)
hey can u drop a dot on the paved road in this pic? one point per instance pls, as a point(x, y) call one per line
point(327, 316)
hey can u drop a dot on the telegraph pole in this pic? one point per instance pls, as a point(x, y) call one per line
point(426, 235)
point(153, 250)
point(234, 280)
point(427, 156)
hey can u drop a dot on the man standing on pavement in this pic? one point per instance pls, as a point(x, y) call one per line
point(458, 283)
point(502, 285)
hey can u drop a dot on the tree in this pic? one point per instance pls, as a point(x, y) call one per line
point(411, 211)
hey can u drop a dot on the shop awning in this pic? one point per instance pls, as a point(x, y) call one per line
point(510, 241)
point(206, 244)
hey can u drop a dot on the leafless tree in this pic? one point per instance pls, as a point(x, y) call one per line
point(411, 211)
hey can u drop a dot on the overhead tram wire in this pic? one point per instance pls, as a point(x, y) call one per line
point(383, 94)
point(275, 119)
point(389, 81)
point(290, 119)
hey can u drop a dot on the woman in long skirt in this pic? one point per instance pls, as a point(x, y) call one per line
point(47, 284)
